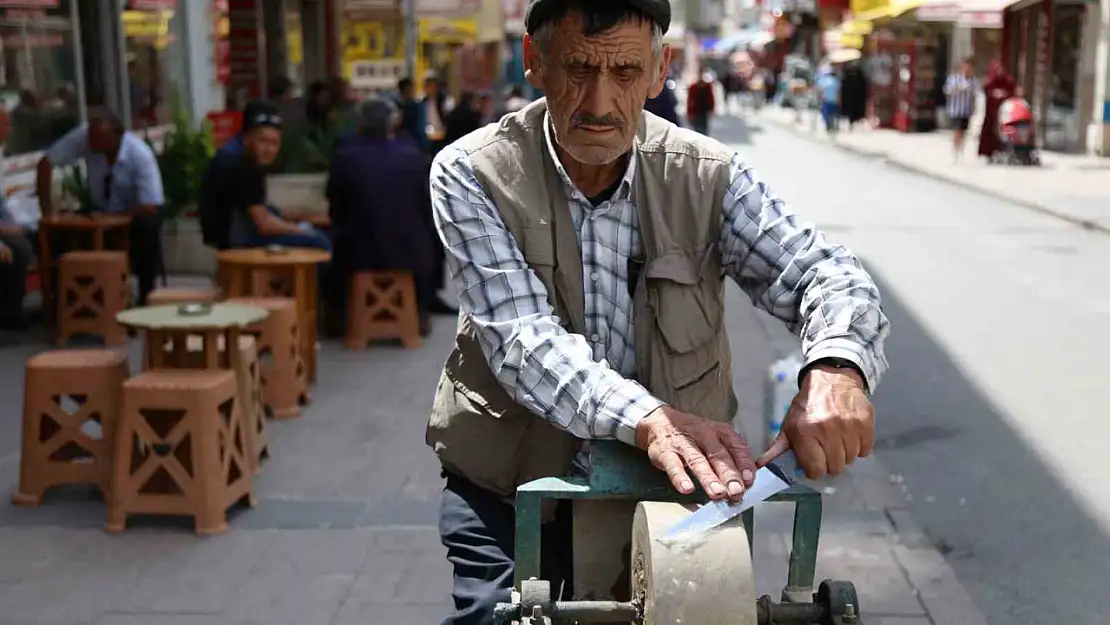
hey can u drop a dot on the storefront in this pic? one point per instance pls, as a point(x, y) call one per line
point(373, 47)
point(1044, 49)
point(907, 63)
point(140, 58)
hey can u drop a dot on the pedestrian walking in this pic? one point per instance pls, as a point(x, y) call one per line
point(960, 90)
point(587, 243)
point(853, 94)
point(828, 88)
point(998, 87)
point(700, 103)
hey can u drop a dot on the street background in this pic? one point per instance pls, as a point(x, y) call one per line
point(984, 502)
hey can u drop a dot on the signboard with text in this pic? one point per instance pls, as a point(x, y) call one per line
point(447, 8)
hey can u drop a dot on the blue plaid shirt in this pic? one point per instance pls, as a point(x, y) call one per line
point(582, 384)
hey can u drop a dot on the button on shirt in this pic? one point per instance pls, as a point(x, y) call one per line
point(582, 384)
point(134, 180)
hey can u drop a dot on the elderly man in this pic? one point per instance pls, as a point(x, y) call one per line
point(123, 177)
point(588, 242)
point(378, 198)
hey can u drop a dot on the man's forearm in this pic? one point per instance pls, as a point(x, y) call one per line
point(552, 373)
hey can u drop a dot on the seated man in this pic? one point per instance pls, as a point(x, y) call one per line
point(236, 186)
point(15, 255)
point(379, 202)
point(123, 177)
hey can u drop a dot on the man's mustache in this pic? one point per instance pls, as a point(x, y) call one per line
point(604, 121)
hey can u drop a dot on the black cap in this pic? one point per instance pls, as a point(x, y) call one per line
point(539, 11)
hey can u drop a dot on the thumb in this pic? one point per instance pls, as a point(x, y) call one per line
point(780, 446)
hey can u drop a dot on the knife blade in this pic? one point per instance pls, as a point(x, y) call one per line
point(776, 476)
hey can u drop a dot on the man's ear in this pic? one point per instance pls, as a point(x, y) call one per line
point(533, 67)
point(661, 72)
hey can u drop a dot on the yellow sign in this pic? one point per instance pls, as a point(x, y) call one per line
point(863, 6)
point(293, 47)
point(363, 41)
point(153, 26)
point(448, 31)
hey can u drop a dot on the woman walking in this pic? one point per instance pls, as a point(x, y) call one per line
point(960, 90)
point(998, 87)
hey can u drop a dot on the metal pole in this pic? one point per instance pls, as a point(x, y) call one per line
point(79, 62)
point(411, 31)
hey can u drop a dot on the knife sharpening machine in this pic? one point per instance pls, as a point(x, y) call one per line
point(701, 580)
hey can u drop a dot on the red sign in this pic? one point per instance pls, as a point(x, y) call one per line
point(225, 125)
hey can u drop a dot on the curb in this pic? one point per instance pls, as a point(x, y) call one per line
point(1038, 207)
point(939, 590)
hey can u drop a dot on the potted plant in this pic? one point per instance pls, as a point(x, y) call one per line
point(183, 160)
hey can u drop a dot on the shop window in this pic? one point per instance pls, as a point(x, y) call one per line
point(153, 32)
point(38, 78)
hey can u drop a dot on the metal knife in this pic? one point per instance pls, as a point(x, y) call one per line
point(776, 476)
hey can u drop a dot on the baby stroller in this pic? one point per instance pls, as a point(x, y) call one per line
point(1016, 134)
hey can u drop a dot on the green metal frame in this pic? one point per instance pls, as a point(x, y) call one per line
point(620, 472)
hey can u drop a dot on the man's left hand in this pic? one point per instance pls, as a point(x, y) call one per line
point(830, 423)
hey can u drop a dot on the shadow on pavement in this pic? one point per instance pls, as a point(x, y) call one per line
point(735, 130)
point(983, 495)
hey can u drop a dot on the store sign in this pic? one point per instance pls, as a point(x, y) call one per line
point(980, 19)
point(938, 12)
point(30, 4)
point(221, 46)
point(513, 13)
point(447, 31)
point(369, 5)
point(447, 8)
point(153, 5)
point(376, 74)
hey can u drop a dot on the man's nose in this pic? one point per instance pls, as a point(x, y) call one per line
point(600, 97)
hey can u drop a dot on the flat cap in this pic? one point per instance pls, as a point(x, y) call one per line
point(539, 11)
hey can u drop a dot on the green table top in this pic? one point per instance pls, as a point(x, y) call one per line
point(171, 317)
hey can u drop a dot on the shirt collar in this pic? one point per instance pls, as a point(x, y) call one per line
point(624, 191)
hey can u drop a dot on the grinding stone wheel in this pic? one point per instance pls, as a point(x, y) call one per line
point(704, 580)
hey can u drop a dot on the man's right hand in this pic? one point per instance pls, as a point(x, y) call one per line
point(713, 452)
point(5, 254)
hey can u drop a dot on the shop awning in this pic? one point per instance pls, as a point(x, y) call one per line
point(938, 11)
point(982, 13)
point(887, 11)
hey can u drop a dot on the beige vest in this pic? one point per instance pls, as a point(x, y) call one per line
point(682, 350)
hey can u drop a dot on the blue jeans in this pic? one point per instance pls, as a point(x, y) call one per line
point(830, 112)
point(312, 239)
point(478, 528)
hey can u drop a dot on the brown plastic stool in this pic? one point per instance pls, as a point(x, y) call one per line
point(284, 379)
point(180, 449)
point(92, 289)
point(57, 449)
point(248, 378)
point(166, 296)
point(382, 305)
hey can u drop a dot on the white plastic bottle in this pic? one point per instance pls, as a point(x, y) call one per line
point(782, 387)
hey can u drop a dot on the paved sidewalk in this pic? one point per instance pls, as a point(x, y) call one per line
point(1075, 188)
point(345, 533)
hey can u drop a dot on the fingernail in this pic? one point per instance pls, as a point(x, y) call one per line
point(747, 476)
point(735, 489)
point(716, 489)
point(687, 485)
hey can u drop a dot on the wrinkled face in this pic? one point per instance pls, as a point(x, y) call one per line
point(264, 143)
point(596, 86)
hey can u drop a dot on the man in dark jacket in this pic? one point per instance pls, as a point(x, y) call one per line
point(665, 104)
point(380, 207)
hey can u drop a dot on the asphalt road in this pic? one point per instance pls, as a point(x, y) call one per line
point(993, 415)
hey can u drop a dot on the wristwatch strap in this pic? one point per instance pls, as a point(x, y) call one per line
point(839, 363)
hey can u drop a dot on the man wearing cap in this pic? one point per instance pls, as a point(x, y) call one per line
point(234, 191)
point(588, 242)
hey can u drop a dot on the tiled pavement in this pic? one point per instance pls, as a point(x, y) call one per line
point(345, 530)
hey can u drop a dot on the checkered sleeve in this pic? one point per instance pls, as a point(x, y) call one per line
point(542, 366)
point(820, 290)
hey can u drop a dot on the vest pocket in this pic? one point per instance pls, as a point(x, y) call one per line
point(684, 293)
